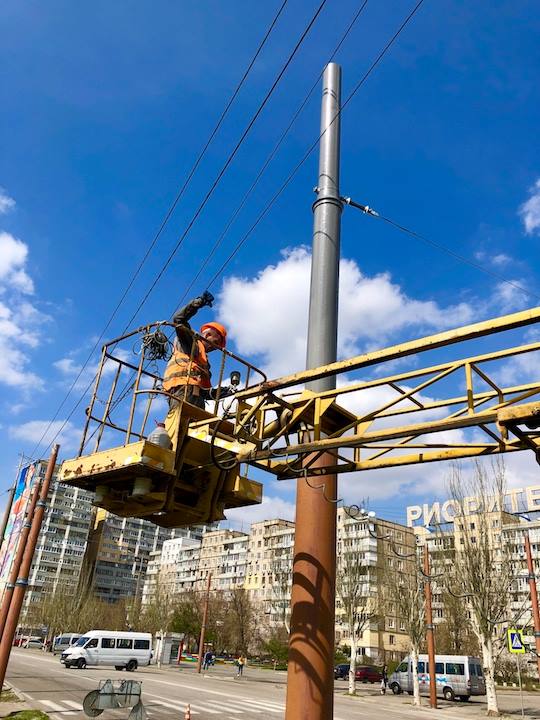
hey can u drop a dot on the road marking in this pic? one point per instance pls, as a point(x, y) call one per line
point(204, 708)
point(52, 706)
point(177, 706)
point(73, 704)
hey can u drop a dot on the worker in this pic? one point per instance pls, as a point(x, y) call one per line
point(188, 371)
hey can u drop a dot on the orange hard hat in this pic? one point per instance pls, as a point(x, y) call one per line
point(219, 328)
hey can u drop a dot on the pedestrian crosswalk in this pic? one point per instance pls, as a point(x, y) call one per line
point(202, 708)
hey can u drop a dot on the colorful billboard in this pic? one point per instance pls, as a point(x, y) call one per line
point(21, 497)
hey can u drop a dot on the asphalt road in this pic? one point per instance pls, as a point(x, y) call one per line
point(218, 695)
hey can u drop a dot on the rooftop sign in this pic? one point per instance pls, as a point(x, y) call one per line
point(515, 500)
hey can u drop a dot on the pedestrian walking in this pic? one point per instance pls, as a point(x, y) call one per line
point(240, 666)
point(207, 660)
point(384, 679)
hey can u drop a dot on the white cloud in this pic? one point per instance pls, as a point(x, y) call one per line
point(21, 323)
point(6, 203)
point(271, 507)
point(510, 297)
point(267, 316)
point(13, 256)
point(501, 259)
point(32, 432)
point(529, 212)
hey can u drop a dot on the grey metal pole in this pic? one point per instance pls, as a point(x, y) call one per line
point(323, 300)
point(310, 680)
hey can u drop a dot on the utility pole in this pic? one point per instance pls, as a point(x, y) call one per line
point(534, 599)
point(22, 581)
point(430, 631)
point(204, 619)
point(310, 679)
point(7, 511)
point(21, 549)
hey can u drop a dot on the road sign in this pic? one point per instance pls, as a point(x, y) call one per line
point(515, 641)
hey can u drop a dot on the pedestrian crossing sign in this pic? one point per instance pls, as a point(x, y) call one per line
point(515, 641)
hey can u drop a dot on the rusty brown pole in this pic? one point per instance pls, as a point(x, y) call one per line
point(21, 547)
point(203, 626)
point(22, 581)
point(310, 675)
point(430, 631)
point(534, 599)
point(7, 511)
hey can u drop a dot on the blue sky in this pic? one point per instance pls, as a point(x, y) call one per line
point(104, 109)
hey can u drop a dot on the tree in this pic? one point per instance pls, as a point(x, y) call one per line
point(358, 605)
point(404, 593)
point(242, 621)
point(454, 635)
point(483, 571)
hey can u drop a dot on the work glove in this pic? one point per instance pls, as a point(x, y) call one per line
point(224, 391)
point(206, 299)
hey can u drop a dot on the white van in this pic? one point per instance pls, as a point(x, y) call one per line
point(62, 642)
point(107, 647)
point(455, 675)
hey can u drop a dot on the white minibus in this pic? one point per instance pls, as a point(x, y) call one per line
point(62, 642)
point(107, 647)
point(455, 675)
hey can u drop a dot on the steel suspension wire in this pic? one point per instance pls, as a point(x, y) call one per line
point(231, 157)
point(274, 198)
point(312, 147)
point(259, 175)
point(271, 156)
point(165, 220)
point(278, 193)
point(457, 256)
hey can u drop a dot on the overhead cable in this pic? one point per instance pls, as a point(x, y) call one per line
point(270, 157)
point(443, 248)
point(164, 222)
point(229, 160)
point(312, 147)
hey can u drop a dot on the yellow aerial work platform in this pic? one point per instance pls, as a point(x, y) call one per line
point(193, 483)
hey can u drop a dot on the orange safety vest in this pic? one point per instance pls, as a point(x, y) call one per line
point(182, 370)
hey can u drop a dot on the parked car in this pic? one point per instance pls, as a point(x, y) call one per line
point(123, 650)
point(62, 642)
point(33, 642)
point(368, 673)
point(455, 675)
point(341, 672)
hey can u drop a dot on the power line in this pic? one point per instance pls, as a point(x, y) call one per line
point(274, 198)
point(164, 222)
point(270, 156)
point(194, 217)
point(278, 193)
point(260, 173)
point(230, 158)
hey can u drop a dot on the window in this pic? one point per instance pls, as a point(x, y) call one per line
point(142, 644)
point(93, 643)
point(402, 667)
point(439, 668)
point(476, 670)
point(455, 669)
point(107, 643)
point(421, 667)
point(124, 643)
point(391, 639)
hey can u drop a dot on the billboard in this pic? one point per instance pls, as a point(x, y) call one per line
point(23, 489)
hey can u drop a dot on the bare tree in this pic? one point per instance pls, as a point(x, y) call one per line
point(483, 569)
point(242, 620)
point(358, 605)
point(404, 596)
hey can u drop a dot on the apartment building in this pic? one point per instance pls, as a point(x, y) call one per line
point(119, 550)
point(380, 548)
point(269, 568)
point(173, 568)
point(224, 554)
